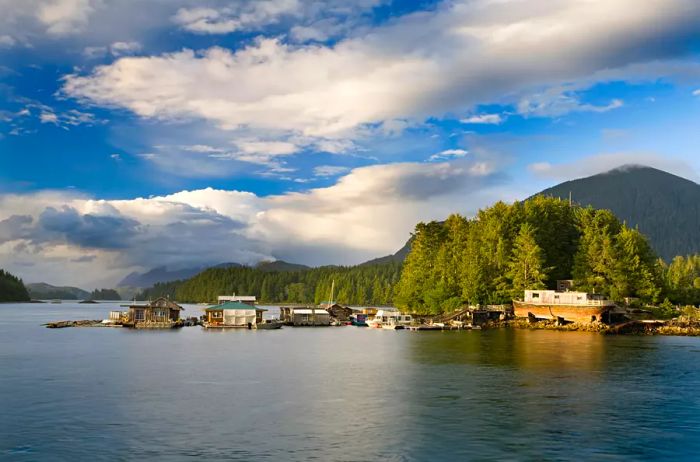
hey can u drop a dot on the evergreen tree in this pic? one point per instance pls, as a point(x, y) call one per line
point(526, 267)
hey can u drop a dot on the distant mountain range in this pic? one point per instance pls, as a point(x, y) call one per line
point(163, 274)
point(665, 207)
point(44, 291)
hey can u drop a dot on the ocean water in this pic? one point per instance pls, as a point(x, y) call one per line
point(342, 393)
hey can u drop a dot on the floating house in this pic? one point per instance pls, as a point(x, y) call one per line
point(568, 306)
point(157, 314)
point(247, 299)
point(310, 317)
point(339, 312)
point(234, 314)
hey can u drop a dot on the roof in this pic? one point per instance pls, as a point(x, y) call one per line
point(161, 302)
point(239, 298)
point(310, 311)
point(233, 306)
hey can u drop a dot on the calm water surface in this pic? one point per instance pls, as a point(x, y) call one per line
point(341, 393)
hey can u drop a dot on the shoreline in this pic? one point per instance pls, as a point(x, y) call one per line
point(639, 327)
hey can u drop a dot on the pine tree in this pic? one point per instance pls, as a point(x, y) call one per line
point(526, 267)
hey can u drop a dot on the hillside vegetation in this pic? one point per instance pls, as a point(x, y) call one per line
point(665, 207)
point(12, 289)
point(505, 249)
point(358, 285)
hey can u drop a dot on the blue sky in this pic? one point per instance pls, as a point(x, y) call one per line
point(318, 132)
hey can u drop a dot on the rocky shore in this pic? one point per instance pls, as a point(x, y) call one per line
point(635, 327)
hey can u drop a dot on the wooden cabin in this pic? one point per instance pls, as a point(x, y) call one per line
point(339, 312)
point(157, 314)
point(233, 314)
point(310, 317)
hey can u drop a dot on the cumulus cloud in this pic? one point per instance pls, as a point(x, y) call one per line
point(368, 212)
point(424, 64)
point(62, 17)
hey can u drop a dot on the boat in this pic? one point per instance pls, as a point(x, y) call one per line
point(268, 324)
point(389, 319)
point(579, 307)
point(358, 319)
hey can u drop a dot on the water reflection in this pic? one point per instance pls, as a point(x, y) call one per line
point(341, 393)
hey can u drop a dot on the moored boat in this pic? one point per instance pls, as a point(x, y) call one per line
point(268, 324)
point(388, 319)
point(570, 306)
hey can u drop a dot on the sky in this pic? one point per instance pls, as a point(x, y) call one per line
point(144, 133)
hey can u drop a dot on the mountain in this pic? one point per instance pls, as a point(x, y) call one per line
point(665, 207)
point(280, 265)
point(399, 256)
point(163, 274)
point(44, 291)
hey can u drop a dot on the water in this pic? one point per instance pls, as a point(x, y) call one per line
point(341, 393)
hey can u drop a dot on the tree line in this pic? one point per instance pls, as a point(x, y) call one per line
point(488, 259)
point(505, 249)
point(12, 288)
point(355, 285)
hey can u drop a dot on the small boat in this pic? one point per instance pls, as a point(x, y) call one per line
point(268, 324)
point(388, 319)
point(358, 319)
point(56, 301)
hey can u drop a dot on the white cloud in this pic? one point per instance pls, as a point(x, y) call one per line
point(6, 41)
point(124, 48)
point(366, 213)
point(94, 52)
point(63, 17)
point(696, 92)
point(556, 102)
point(494, 119)
point(329, 170)
point(48, 117)
point(116, 157)
point(426, 64)
point(449, 154)
point(239, 16)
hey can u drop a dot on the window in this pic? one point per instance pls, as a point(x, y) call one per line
point(139, 315)
point(217, 314)
point(535, 295)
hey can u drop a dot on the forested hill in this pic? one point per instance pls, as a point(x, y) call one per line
point(12, 289)
point(664, 206)
point(357, 285)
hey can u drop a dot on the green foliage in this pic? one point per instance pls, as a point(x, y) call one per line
point(105, 294)
point(12, 289)
point(525, 269)
point(506, 249)
point(665, 310)
point(682, 278)
point(358, 285)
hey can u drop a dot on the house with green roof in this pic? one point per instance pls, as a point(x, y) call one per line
point(233, 314)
